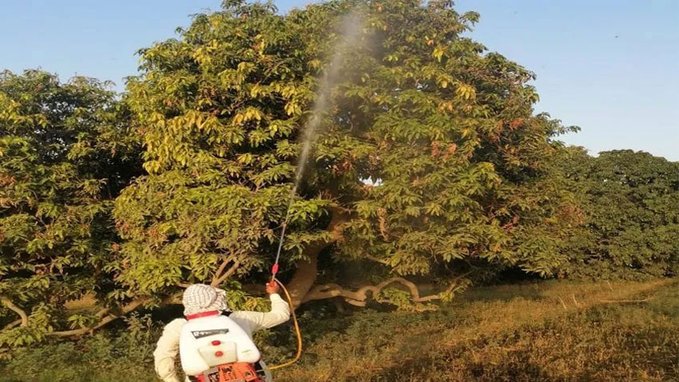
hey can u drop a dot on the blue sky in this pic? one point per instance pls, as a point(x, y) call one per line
point(608, 66)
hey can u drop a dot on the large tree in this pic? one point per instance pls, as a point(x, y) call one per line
point(65, 153)
point(429, 163)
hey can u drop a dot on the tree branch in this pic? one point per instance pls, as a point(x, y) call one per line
point(382, 217)
point(360, 296)
point(11, 306)
point(305, 275)
point(12, 324)
point(220, 271)
point(103, 314)
point(226, 274)
point(105, 320)
point(375, 259)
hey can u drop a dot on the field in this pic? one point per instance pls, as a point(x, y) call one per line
point(540, 332)
point(547, 331)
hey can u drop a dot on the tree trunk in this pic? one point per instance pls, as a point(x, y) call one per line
point(305, 275)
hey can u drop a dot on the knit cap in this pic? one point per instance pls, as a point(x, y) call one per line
point(200, 298)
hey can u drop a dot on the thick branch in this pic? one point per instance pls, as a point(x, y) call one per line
point(360, 296)
point(103, 312)
point(11, 306)
point(305, 276)
point(88, 301)
point(325, 291)
point(377, 260)
point(382, 217)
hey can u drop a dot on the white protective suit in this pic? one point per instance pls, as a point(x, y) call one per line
point(167, 349)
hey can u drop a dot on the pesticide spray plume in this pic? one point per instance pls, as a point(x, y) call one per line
point(350, 32)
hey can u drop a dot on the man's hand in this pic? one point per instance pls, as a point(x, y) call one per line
point(272, 287)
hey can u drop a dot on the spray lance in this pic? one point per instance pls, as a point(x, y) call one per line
point(274, 280)
point(274, 267)
point(313, 123)
point(306, 148)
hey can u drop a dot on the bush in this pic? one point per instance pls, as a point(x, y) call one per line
point(121, 355)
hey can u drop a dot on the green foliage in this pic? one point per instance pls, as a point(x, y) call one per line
point(430, 163)
point(631, 203)
point(65, 152)
point(446, 130)
point(123, 355)
point(218, 109)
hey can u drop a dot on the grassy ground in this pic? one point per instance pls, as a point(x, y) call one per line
point(541, 332)
point(550, 331)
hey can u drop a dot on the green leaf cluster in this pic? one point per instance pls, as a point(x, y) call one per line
point(631, 208)
point(66, 151)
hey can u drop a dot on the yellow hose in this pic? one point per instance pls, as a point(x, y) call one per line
point(297, 330)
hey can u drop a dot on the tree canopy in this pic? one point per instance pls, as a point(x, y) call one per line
point(446, 132)
point(65, 153)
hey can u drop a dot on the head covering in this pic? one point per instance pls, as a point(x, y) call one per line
point(200, 298)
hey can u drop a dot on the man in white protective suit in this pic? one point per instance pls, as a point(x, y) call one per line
point(213, 343)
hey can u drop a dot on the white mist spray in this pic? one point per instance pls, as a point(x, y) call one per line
point(350, 31)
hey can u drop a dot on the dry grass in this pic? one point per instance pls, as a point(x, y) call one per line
point(552, 331)
point(548, 331)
